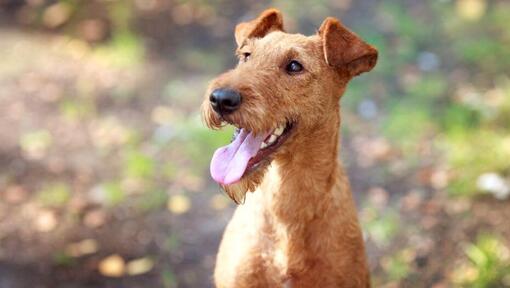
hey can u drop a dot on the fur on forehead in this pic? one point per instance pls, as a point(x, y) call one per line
point(306, 49)
point(342, 48)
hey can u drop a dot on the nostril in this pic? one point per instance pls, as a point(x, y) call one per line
point(227, 102)
point(212, 99)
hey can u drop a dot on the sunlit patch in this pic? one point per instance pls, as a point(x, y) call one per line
point(471, 9)
point(139, 266)
point(81, 248)
point(112, 266)
point(178, 204)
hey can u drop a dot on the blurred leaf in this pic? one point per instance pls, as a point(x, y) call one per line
point(460, 118)
point(63, 259)
point(139, 266)
point(54, 194)
point(471, 9)
point(428, 88)
point(471, 154)
point(153, 200)
point(81, 248)
point(179, 204)
point(406, 123)
point(45, 221)
point(490, 264)
point(36, 143)
point(75, 109)
point(172, 243)
point(112, 266)
point(398, 266)
point(382, 227)
point(124, 50)
point(57, 14)
point(113, 193)
point(138, 165)
point(169, 279)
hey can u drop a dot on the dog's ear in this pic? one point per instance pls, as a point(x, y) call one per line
point(268, 21)
point(344, 49)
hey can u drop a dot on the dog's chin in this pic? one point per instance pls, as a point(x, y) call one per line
point(248, 183)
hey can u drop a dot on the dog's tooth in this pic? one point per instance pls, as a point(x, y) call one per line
point(272, 139)
point(263, 145)
point(278, 131)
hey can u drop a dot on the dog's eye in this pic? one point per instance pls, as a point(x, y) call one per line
point(246, 56)
point(294, 67)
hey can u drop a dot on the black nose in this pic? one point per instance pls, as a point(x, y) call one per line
point(225, 101)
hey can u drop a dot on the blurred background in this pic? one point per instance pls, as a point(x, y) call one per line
point(104, 159)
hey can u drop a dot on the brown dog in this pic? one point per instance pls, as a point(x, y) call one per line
point(299, 228)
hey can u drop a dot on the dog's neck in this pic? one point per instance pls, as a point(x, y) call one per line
point(306, 175)
point(306, 194)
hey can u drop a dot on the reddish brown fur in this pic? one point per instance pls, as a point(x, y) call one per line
point(299, 228)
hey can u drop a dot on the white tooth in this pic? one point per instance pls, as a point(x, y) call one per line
point(278, 131)
point(272, 139)
point(263, 145)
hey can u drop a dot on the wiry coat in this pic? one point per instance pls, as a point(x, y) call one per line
point(299, 227)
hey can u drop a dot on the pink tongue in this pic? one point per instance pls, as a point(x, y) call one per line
point(229, 162)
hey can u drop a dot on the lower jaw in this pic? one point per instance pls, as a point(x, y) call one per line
point(261, 161)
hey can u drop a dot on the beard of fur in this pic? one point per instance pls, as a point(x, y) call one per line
point(237, 191)
point(209, 117)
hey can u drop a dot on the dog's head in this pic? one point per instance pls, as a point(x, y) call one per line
point(284, 83)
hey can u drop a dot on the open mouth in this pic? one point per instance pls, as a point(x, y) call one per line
point(246, 151)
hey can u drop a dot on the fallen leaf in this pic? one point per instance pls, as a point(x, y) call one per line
point(139, 266)
point(178, 204)
point(56, 14)
point(84, 247)
point(46, 221)
point(112, 266)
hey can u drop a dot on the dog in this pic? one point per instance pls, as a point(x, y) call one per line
point(299, 227)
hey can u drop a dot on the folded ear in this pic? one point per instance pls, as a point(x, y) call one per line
point(345, 49)
point(268, 21)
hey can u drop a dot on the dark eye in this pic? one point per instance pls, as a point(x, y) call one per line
point(246, 56)
point(294, 67)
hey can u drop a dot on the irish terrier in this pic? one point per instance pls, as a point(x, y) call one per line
point(299, 228)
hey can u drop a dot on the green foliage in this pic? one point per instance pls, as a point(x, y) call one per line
point(113, 193)
point(199, 143)
point(381, 227)
point(406, 123)
point(38, 140)
point(471, 154)
point(62, 259)
point(427, 89)
point(397, 267)
point(76, 108)
point(458, 118)
point(168, 278)
point(172, 242)
point(138, 165)
point(153, 200)
point(124, 50)
point(54, 194)
point(489, 264)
